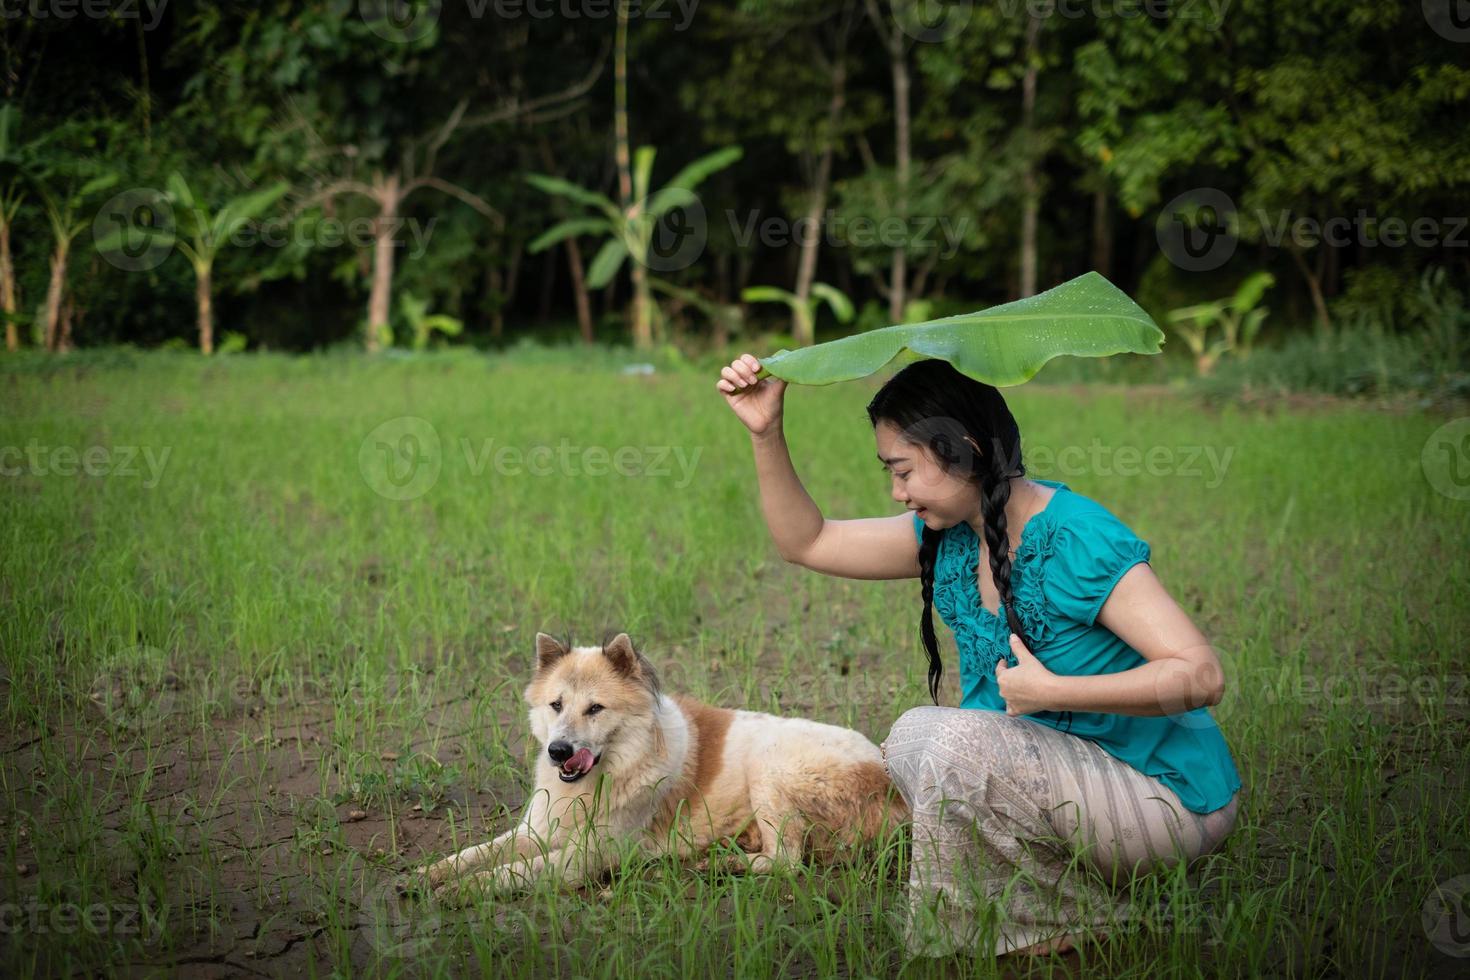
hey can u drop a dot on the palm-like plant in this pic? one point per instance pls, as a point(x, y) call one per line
point(629, 232)
point(63, 205)
point(804, 312)
point(1238, 318)
point(12, 164)
point(200, 233)
point(423, 323)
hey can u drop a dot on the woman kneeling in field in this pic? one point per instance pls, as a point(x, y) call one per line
point(1082, 753)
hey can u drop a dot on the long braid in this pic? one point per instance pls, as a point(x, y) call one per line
point(928, 551)
point(995, 493)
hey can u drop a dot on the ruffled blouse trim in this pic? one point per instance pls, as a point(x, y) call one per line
point(958, 601)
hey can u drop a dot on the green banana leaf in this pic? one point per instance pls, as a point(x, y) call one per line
point(1004, 345)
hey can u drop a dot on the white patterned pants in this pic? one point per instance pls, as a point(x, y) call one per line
point(1024, 833)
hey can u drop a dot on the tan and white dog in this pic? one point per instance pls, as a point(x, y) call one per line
point(621, 761)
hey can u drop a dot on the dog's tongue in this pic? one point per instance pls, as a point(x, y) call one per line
point(581, 761)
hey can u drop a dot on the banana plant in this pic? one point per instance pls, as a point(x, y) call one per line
point(423, 323)
point(12, 194)
point(1238, 318)
point(199, 234)
point(629, 231)
point(1003, 345)
point(804, 313)
point(63, 207)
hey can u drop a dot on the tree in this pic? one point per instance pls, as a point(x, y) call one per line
point(12, 194)
point(628, 230)
point(201, 233)
point(69, 174)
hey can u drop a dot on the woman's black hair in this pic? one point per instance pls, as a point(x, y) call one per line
point(936, 406)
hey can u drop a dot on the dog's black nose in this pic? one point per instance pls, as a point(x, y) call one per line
point(559, 751)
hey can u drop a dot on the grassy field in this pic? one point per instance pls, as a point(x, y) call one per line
point(255, 665)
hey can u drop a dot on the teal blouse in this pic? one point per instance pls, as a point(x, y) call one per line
point(1071, 555)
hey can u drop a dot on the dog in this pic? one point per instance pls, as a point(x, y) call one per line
point(623, 762)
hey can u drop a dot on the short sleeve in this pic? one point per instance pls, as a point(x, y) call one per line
point(919, 528)
point(1088, 558)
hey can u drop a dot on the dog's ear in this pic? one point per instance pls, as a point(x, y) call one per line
point(548, 651)
point(630, 663)
point(624, 658)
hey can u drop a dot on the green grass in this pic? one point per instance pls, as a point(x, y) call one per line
point(243, 689)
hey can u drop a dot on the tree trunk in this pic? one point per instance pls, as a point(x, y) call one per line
point(1102, 233)
point(7, 289)
point(548, 286)
point(204, 278)
point(1314, 286)
point(381, 299)
point(642, 331)
point(642, 308)
point(898, 280)
point(68, 314)
point(579, 290)
point(53, 294)
point(1031, 196)
point(806, 271)
point(493, 278)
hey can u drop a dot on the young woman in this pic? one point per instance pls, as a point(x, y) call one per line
point(1082, 752)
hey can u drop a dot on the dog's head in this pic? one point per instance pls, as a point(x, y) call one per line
point(583, 698)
